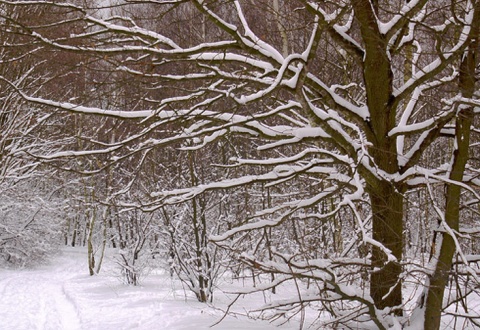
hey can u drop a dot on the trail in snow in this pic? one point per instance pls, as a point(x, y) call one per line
point(34, 299)
point(61, 296)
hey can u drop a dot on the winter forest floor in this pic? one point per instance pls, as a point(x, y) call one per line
point(61, 295)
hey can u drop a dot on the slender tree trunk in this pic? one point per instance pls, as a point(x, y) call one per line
point(75, 231)
point(91, 252)
point(438, 280)
point(281, 28)
point(202, 294)
point(444, 258)
point(105, 214)
point(67, 230)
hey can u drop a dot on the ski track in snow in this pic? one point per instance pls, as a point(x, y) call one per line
point(34, 299)
point(62, 296)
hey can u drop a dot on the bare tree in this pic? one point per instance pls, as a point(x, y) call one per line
point(339, 112)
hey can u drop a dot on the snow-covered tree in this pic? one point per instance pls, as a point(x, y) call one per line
point(343, 103)
point(31, 219)
point(30, 210)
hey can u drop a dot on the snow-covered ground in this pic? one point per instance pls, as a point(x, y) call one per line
point(61, 295)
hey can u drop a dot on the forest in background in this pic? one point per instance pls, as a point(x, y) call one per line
point(332, 146)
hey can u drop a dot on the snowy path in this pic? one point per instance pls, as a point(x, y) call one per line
point(61, 296)
point(35, 299)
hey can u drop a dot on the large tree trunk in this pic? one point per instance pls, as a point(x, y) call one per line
point(387, 229)
point(386, 200)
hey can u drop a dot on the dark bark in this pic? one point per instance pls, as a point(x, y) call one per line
point(199, 231)
point(386, 200)
point(387, 209)
point(439, 279)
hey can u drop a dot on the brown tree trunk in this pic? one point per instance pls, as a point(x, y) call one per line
point(438, 280)
point(386, 200)
point(387, 229)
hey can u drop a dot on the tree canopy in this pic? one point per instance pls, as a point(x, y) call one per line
point(352, 122)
